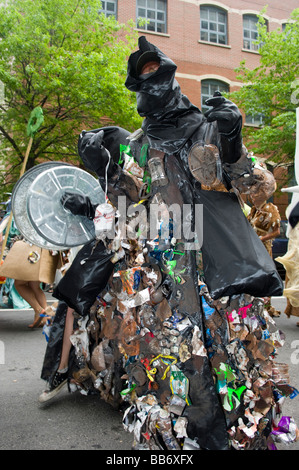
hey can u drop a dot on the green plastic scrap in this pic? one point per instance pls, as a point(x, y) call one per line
point(147, 181)
point(233, 393)
point(179, 384)
point(143, 155)
point(225, 376)
point(128, 390)
point(127, 150)
point(225, 373)
point(171, 265)
point(124, 149)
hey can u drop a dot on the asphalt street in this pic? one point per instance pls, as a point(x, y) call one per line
point(72, 421)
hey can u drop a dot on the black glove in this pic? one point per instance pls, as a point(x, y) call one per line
point(229, 122)
point(78, 204)
point(94, 155)
point(226, 113)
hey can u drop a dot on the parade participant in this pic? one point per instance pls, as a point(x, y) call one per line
point(264, 216)
point(56, 361)
point(154, 343)
point(207, 150)
point(32, 292)
point(290, 262)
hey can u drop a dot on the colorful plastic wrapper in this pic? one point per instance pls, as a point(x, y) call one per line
point(286, 431)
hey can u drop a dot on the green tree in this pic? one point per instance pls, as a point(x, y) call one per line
point(272, 89)
point(65, 57)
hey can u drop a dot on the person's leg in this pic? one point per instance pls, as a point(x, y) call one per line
point(25, 291)
point(60, 378)
point(39, 293)
point(66, 345)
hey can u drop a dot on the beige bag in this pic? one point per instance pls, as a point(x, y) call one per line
point(26, 262)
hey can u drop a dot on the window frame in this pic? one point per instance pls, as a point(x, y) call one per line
point(211, 82)
point(105, 11)
point(218, 10)
point(155, 20)
point(253, 47)
point(254, 120)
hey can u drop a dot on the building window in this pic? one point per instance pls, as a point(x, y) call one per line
point(213, 25)
point(154, 12)
point(208, 88)
point(256, 120)
point(250, 33)
point(109, 8)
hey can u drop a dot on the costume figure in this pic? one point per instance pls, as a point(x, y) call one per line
point(291, 263)
point(190, 359)
point(264, 216)
point(265, 221)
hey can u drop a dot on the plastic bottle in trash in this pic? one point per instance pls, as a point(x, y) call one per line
point(104, 220)
point(165, 429)
point(158, 176)
point(170, 441)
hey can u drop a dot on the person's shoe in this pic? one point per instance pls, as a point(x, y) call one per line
point(59, 381)
point(38, 323)
point(41, 317)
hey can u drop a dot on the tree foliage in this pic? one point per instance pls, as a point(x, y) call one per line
point(65, 57)
point(272, 89)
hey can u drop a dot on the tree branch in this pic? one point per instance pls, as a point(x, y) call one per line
point(12, 142)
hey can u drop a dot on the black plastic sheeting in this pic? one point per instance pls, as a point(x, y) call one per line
point(234, 258)
point(86, 277)
point(170, 118)
point(226, 345)
point(92, 145)
point(54, 346)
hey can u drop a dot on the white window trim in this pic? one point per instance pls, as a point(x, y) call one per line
point(199, 78)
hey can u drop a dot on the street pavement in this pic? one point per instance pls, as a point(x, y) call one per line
point(72, 421)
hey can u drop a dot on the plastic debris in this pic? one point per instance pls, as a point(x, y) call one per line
point(185, 345)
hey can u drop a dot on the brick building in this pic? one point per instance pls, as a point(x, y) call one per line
point(207, 40)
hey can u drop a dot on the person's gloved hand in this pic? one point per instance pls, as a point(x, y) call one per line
point(94, 155)
point(225, 112)
point(78, 204)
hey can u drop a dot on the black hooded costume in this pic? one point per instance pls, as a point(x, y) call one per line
point(174, 127)
point(235, 262)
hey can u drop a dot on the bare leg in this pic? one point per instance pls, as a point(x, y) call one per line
point(27, 293)
point(25, 290)
point(39, 293)
point(66, 344)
